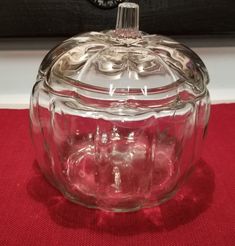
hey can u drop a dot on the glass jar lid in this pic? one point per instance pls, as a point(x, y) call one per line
point(125, 64)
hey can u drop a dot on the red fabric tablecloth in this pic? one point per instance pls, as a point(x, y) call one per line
point(34, 213)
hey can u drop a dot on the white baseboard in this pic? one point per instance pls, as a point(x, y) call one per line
point(17, 101)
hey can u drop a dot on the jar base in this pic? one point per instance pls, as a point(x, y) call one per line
point(92, 204)
point(75, 200)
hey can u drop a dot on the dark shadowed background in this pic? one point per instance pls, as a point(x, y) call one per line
point(54, 18)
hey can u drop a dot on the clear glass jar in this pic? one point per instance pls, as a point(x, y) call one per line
point(118, 117)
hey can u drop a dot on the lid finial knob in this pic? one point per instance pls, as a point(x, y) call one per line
point(127, 25)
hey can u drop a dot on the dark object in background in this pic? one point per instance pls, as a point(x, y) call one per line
point(51, 18)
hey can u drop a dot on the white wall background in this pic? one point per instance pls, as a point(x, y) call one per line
point(20, 59)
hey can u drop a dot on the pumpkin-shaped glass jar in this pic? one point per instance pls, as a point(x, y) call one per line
point(118, 117)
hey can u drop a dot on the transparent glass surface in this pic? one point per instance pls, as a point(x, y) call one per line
point(118, 117)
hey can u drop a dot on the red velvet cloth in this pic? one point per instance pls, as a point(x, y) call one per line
point(32, 212)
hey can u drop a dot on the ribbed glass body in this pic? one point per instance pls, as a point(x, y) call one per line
point(118, 118)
